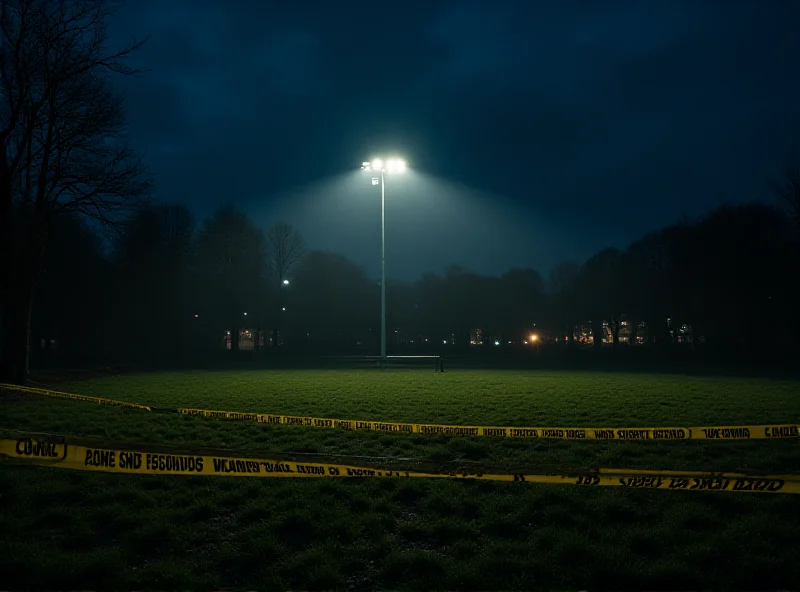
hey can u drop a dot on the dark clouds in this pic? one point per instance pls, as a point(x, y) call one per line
point(585, 122)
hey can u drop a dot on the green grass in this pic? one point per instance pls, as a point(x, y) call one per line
point(92, 531)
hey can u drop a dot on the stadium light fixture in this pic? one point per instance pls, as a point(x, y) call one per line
point(392, 165)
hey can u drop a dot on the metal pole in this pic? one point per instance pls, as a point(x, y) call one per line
point(383, 268)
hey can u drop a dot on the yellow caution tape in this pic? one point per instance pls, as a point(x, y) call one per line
point(60, 395)
point(748, 432)
point(142, 462)
point(727, 432)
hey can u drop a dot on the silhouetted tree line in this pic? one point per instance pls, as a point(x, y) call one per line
point(170, 289)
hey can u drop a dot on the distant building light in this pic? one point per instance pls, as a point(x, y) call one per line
point(497, 343)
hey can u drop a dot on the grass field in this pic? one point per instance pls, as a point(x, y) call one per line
point(97, 531)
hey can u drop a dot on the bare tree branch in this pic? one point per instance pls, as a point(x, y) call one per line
point(788, 190)
point(63, 127)
point(286, 249)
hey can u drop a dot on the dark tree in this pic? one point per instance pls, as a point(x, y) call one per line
point(601, 293)
point(564, 288)
point(432, 306)
point(70, 324)
point(232, 265)
point(657, 280)
point(332, 304)
point(62, 145)
point(285, 250)
point(788, 190)
point(155, 299)
point(743, 285)
point(459, 296)
point(402, 314)
point(521, 302)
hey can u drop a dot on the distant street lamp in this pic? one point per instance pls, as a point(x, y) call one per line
point(393, 165)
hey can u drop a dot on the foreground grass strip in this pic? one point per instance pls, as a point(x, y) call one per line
point(722, 432)
point(146, 462)
point(84, 530)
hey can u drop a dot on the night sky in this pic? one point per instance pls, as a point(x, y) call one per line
point(535, 132)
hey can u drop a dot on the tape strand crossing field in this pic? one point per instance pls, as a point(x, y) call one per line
point(743, 432)
point(62, 395)
point(140, 461)
point(720, 432)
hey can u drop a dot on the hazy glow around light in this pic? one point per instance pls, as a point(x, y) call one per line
point(377, 164)
point(395, 165)
point(441, 214)
point(534, 337)
point(285, 282)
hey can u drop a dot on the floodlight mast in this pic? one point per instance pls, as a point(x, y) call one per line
point(393, 165)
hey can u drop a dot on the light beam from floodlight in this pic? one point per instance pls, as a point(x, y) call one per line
point(395, 165)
